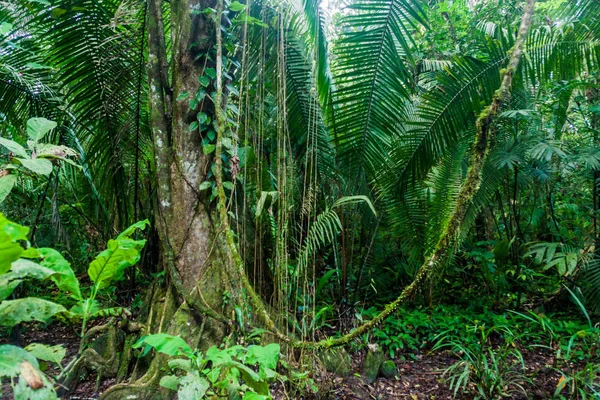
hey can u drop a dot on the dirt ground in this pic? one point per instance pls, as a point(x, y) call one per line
point(418, 378)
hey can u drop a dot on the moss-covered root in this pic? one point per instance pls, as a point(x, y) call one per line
point(183, 323)
point(467, 191)
point(104, 359)
point(146, 388)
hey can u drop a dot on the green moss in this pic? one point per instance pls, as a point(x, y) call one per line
point(388, 369)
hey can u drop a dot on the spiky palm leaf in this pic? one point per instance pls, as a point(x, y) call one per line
point(444, 112)
point(94, 51)
point(373, 81)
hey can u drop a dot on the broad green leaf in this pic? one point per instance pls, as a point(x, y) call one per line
point(23, 268)
point(202, 117)
point(165, 343)
point(65, 278)
point(44, 352)
point(243, 17)
point(110, 264)
point(200, 95)
point(37, 128)
point(232, 89)
point(204, 81)
point(10, 250)
point(192, 387)
point(266, 356)
point(11, 358)
point(236, 6)
point(184, 364)
point(141, 225)
point(208, 148)
point(205, 185)
point(251, 378)
point(14, 147)
point(8, 283)
point(31, 253)
point(13, 312)
point(193, 126)
point(13, 230)
point(23, 391)
point(170, 382)
point(233, 108)
point(7, 182)
point(40, 166)
point(121, 252)
point(211, 72)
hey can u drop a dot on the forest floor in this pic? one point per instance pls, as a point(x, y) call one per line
point(419, 375)
point(421, 378)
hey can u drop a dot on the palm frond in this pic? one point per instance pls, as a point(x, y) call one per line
point(373, 81)
point(442, 115)
point(94, 51)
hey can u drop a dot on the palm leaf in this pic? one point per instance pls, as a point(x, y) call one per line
point(373, 80)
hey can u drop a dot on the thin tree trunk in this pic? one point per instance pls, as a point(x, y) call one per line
point(593, 95)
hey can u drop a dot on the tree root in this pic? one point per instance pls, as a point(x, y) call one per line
point(107, 364)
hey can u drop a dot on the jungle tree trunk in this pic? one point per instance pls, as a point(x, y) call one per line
point(191, 248)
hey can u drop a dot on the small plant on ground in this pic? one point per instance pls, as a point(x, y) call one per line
point(581, 384)
point(488, 373)
point(19, 262)
point(232, 372)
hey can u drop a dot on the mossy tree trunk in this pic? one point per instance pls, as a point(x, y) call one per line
point(192, 243)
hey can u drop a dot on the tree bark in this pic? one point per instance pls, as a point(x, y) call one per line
point(192, 244)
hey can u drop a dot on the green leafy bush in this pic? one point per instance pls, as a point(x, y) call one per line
point(19, 262)
point(36, 160)
point(233, 372)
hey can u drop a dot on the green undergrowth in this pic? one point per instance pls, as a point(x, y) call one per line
point(413, 330)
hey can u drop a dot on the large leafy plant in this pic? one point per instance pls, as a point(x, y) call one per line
point(36, 160)
point(234, 372)
point(20, 262)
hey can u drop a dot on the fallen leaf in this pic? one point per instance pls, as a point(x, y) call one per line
point(31, 376)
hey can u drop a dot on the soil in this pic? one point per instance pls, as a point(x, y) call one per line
point(53, 335)
point(419, 375)
point(422, 378)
